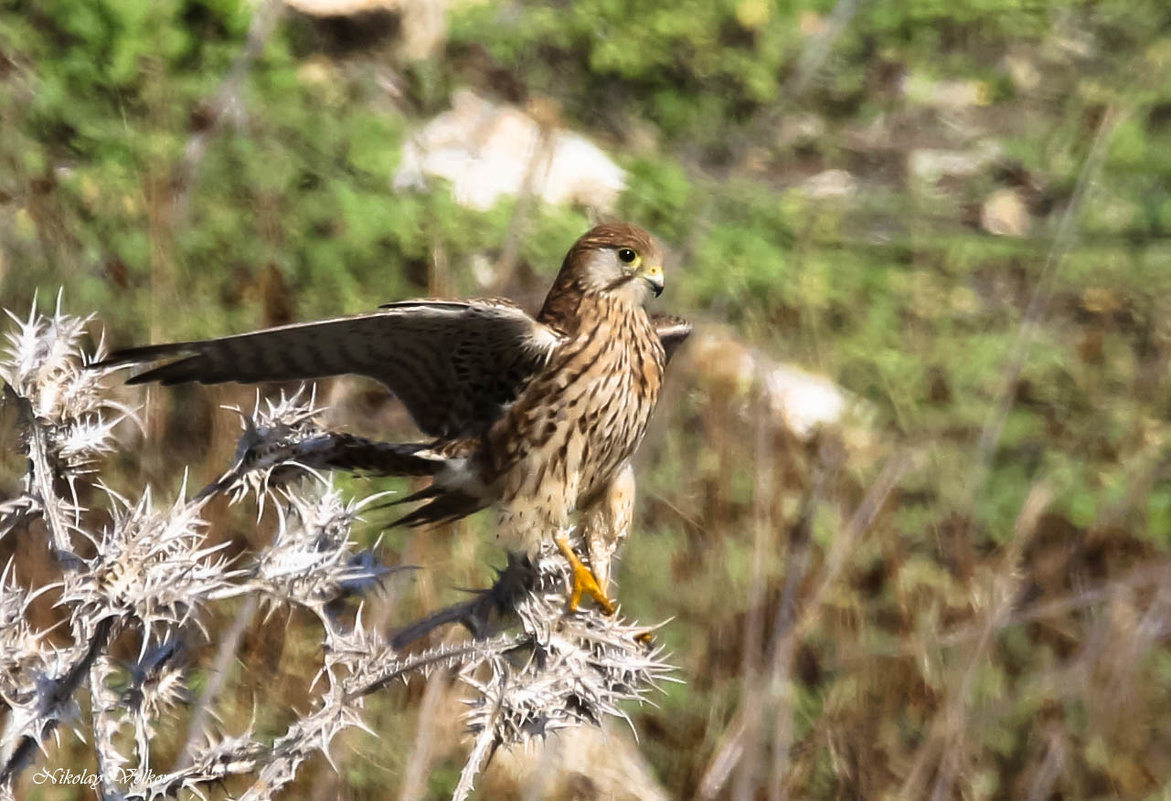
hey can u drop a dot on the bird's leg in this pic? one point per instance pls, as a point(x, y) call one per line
point(584, 582)
point(605, 524)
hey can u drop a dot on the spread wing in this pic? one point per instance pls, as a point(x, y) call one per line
point(455, 365)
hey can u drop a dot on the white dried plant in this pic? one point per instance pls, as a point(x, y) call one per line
point(148, 574)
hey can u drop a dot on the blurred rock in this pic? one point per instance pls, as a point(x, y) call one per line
point(487, 152)
point(805, 401)
point(1005, 213)
point(584, 763)
point(801, 401)
point(829, 184)
point(929, 164)
point(950, 95)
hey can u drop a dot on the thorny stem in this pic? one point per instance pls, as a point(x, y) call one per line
point(104, 726)
point(375, 678)
point(41, 474)
point(63, 690)
point(481, 752)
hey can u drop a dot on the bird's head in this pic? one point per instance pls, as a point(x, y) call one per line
point(617, 259)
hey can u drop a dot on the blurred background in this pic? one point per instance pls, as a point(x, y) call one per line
point(907, 501)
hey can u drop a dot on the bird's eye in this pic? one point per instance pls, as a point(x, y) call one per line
point(627, 255)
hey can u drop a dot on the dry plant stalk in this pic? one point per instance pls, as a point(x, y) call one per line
point(150, 574)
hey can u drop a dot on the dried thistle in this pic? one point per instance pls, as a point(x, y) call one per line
point(275, 448)
point(152, 568)
point(150, 572)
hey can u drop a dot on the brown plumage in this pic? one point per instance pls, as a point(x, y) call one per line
point(536, 417)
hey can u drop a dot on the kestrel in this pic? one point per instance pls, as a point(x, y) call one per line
point(536, 417)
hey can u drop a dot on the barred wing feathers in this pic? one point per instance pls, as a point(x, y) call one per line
point(454, 364)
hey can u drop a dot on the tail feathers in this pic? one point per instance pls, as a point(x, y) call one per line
point(347, 452)
point(445, 506)
point(422, 495)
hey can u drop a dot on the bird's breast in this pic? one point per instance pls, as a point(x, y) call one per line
point(580, 420)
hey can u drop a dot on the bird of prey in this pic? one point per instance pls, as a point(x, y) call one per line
point(536, 417)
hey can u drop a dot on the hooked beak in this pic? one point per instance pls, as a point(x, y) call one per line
point(654, 277)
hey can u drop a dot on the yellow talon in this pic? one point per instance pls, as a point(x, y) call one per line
point(584, 582)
